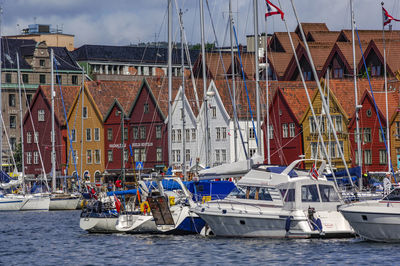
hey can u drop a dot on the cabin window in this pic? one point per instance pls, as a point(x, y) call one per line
point(328, 193)
point(309, 193)
point(250, 193)
point(288, 195)
point(284, 130)
point(263, 194)
point(238, 192)
point(393, 196)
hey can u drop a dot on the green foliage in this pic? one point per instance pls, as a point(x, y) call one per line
point(18, 156)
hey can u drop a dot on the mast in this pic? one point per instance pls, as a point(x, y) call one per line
point(258, 106)
point(357, 136)
point(169, 81)
point(267, 137)
point(53, 149)
point(233, 82)
point(82, 135)
point(183, 99)
point(386, 97)
point(21, 125)
point(1, 89)
point(203, 59)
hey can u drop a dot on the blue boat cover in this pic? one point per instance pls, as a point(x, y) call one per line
point(4, 177)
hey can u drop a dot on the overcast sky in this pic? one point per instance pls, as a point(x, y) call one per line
point(122, 22)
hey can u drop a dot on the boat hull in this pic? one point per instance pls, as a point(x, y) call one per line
point(377, 222)
point(99, 224)
point(11, 204)
point(136, 223)
point(36, 204)
point(64, 203)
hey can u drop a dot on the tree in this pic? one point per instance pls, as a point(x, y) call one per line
point(18, 156)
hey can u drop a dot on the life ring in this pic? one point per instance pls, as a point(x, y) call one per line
point(144, 207)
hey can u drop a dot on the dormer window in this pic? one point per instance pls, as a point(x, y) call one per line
point(41, 62)
point(375, 71)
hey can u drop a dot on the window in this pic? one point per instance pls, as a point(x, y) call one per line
point(110, 156)
point(135, 132)
point(28, 137)
point(252, 151)
point(187, 134)
point(328, 193)
point(36, 137)
point(313, 126)
point(13, 142)
point(367, 135)
point(25, 78)
point(309, 193)
point(58, 79)
point(367, 157)
point(35, 157)
point(13, 121)
point(338, 123)
point(173, 135)
point(136, 155)
point(356, 157)
point(193, 134)
point(218, 132)
point(332, 149)
point(217, 156)
point(284, 130)
point(142, 132)
point(74, 79)
point(97, 157)
point(85, 112)
point(223, 133)
point(158, 132)
point(292, 130)
point(146, 108)
point(41, 62)
point(109, 134)
point(125, 133)
point(159, 154)
point(382, 157)
point(11, 100)
point(28, 99)
point(214, 112)
point(187, 156)
point(397, 135)
point(126, 156)
point(89, 156)
point(314, 150)
point(271, 132)
point(73, 135)
point(223, 156)
point(42, 79)
point(179, 135)
point(143, 155)
point(321, 121)
point(8, 77)
point(41, 115)
point(88, 134)
point(252, 133)
point(28, 157)
point(381, 138)
point(97, 134)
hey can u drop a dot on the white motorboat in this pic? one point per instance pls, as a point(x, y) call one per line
point(376, 220)
point(269, 202)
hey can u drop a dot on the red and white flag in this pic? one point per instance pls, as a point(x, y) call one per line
point(387, 18)
point(272, 10)
point(117, 203)
point(314, 172)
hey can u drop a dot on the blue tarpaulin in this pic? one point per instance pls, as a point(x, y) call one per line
point(4, 177)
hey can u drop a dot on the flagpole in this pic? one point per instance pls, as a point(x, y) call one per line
point(386, 97)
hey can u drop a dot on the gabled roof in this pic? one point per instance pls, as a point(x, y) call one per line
point(392, 53)
point(279, 62)
point(307, 27)
point(280, 42)
point(322, 36)
point(130, 54)
point(380, 99)
point(367, 35)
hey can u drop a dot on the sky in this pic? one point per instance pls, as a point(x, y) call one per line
point(124, 22)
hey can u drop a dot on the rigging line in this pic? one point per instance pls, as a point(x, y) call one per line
point(245, 85)
point(227, 82)
point(66, 121)
point(376, 107)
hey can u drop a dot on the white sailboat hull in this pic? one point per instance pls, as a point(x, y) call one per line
point(99, 225)
point(11, 204)
point(36, 204)
point(374, 220)
point(136, 223)
point(64, 203)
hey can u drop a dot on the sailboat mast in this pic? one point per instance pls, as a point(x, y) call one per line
point(233, 82)
point(53, 149)
point(255, 16)
point(169, 81)
point(21, 126)
point(183, 99)
point(267, 137)
point(1, 89)
point(203, 59)
point(82, 108)
point(357, 136)
point(386, 97)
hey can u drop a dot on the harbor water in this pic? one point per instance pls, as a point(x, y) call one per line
point(55, 238)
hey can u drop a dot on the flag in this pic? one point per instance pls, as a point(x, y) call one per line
point(387, 18)
point(272, 10)
point(313, 172)
point(117, 204)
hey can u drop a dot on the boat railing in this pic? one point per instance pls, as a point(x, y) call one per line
point(231, 201)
